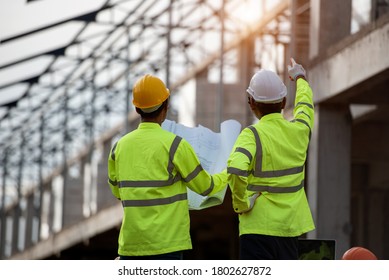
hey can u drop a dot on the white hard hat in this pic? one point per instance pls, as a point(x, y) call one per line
point(266, 87)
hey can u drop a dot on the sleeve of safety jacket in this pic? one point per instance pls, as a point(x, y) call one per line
point(238, 185)
point(304, 108)
point(238, 166)
point(112, 179)
point(197, 179)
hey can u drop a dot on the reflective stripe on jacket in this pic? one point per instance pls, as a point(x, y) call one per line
point(149, 170)
point(269, 158)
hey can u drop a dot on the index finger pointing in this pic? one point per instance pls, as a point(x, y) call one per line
point(293, 61)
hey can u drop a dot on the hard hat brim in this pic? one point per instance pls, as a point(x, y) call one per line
point(151, 109)
point(264, 99)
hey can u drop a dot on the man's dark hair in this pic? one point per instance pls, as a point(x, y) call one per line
point(154, 114)
point(269, 108)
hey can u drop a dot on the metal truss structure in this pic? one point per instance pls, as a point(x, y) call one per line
point(80, 85)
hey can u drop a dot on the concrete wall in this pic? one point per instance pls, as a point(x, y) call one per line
point(348, 159)
point(347, 65)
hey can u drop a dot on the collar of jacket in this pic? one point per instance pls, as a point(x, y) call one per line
point(273, 116)
point(149, 125)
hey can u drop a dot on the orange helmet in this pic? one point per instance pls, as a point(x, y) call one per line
point(358, 253)
point(148, 93)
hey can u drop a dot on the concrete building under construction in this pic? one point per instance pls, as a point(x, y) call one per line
point(65, 102)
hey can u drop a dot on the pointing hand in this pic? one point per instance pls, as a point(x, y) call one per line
point(295, 70)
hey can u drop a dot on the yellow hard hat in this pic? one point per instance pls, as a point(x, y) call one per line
point(148, 93)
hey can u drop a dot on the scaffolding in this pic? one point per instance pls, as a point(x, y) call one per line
point(59, 120)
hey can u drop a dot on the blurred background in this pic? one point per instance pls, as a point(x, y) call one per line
point(66, 73)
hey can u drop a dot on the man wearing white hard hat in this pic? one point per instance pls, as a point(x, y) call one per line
point(266, 169)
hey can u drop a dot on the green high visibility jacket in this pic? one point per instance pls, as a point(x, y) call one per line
point(149, 170)
point(269, 158)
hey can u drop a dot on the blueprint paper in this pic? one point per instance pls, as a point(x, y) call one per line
point(212, 149)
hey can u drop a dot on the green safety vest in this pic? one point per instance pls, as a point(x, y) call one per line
point(149, 170)
point(269, 158)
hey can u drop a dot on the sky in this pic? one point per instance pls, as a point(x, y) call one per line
point(17, 16)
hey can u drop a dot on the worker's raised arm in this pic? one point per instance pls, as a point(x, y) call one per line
point(304, 108)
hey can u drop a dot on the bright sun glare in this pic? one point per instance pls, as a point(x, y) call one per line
point(249, 11)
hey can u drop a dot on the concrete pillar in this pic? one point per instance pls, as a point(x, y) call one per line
point(105, 197)
point(330, 22)
point(329, 168)
point(235, 100)
point(206, 94)
point(29, 214)
point(299, 45)
point(378, 9)
point(73, 190)
point(246, 71)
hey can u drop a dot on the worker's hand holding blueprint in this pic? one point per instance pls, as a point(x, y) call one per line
point(213, 150)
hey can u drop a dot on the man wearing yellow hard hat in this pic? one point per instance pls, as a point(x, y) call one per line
point(149, 170)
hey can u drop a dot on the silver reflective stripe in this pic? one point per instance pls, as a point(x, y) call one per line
point(258, 164)
point(158, 183)
point(113, 151)
point(173, 149)
point(258, 172)
point(114, 183)
point(304, 122)
point(194, 173)
point(269, 189)
point(150, 183)
point(302, 112)
point(245, 152)
point(279, 173)
point(236, 171)
point(304, 103)
point(154, 202)
point(209, 189)
point(266, 174)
